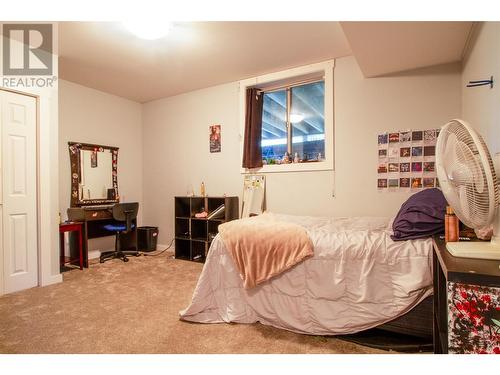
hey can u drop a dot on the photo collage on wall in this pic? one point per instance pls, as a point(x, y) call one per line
point(407, 160)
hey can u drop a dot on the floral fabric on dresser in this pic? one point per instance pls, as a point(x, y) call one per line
point(474, 319)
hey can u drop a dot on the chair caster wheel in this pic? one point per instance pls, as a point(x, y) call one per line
point(101, 260)
point(125, 259)
point(138, 255)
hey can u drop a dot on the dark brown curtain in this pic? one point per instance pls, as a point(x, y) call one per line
point(252, 153)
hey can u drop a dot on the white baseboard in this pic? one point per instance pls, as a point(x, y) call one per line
point(52, 279)
point(94, 254)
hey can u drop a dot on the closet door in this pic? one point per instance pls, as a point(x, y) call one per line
point(18, 191)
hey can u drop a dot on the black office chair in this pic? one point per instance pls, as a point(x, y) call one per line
point(124, 214)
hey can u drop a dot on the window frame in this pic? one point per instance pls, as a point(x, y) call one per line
point(289, 77)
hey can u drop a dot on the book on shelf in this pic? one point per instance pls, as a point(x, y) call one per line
point(217, 213)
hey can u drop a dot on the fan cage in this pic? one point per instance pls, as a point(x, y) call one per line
point(473, 205)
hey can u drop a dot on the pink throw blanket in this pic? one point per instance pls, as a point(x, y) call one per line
point(263, 247)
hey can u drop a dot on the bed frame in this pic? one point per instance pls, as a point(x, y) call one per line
point(417, 322)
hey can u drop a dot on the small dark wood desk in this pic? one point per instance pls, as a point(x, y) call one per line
point(466, 299)
point(93, 220)
point(70, 227)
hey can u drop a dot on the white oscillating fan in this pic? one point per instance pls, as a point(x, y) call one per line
point(469, 183)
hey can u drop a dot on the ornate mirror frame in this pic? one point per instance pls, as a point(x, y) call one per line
point(74, 157)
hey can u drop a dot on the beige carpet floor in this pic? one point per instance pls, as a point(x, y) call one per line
point(133, 307)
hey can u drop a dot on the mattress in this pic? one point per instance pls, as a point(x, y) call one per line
point(358, 278)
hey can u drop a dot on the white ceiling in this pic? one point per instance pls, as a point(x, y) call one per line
point(389, 47)
point(105, 56)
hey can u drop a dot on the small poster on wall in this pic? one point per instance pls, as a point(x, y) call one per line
point(93, 159)
point(215, 138)
point(407, 160)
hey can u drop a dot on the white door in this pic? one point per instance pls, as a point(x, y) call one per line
point(18, 191)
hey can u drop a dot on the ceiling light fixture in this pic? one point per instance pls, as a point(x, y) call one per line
point(149, 30)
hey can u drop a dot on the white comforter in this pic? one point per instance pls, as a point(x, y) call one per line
point(357, 279)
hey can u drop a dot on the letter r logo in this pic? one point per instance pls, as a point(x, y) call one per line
point(27, 49)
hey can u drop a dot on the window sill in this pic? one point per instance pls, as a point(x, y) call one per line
point(292, 167)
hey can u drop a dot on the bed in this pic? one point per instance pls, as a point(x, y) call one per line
point(357, 279)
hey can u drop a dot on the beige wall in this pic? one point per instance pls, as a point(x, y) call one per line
point(91, 116)
point(481, 105)
point(176, 153)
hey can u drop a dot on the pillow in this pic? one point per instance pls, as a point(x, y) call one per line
point(421, 216)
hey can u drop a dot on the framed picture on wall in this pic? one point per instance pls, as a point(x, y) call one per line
point(215, 138)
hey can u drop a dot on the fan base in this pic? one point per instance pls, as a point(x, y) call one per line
point(474, 249)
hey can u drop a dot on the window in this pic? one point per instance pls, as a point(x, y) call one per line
point(293, 124)
point(297, 119)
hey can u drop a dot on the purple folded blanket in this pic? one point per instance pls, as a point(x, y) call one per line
point(422, 215)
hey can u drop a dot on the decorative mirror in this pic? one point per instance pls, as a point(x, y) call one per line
point(254, 190)
point(93, 174)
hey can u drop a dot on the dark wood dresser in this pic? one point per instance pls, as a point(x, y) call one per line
point(466, 303)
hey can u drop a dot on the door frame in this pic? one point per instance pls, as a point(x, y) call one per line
point(37, 178)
